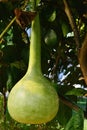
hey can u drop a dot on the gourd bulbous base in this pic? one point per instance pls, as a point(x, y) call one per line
point(33, 100)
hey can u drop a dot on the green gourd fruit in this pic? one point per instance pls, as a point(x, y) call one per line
point(33, 100)
point(51, 38)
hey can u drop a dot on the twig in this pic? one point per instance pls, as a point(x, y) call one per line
point(8, 26)
point(57, 61)
point(71, 105)
point(73, 24)
point(68, 103)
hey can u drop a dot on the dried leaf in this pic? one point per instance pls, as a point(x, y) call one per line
point(24, 18)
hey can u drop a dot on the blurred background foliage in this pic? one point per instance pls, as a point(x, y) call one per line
point(59, 56)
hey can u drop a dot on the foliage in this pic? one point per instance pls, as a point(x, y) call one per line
point(60, 61)
point(76, 122)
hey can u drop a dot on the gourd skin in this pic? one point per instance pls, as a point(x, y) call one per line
point(33, 100)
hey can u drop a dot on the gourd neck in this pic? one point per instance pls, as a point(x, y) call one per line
point(34, 66)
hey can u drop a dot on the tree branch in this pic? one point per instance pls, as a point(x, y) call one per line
point(83, 58)
point(71, 105)
point(73, 24)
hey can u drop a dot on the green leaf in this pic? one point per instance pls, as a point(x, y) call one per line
point(37, 2)
point(10, 53)
point(19, 65)
point(1, 107)
point(85, 124)
point(64, 114)
point(9, 82)
point(52, 17)
point(63, 89)
point(76, 122)
point(77, 92)
point(65, 29)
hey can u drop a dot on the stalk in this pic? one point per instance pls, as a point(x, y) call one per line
point(8, 26)
point(35, 48)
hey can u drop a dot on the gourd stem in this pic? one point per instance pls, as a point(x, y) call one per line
point(35, 48)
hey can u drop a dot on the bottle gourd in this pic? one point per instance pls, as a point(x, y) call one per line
point(33, 100)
